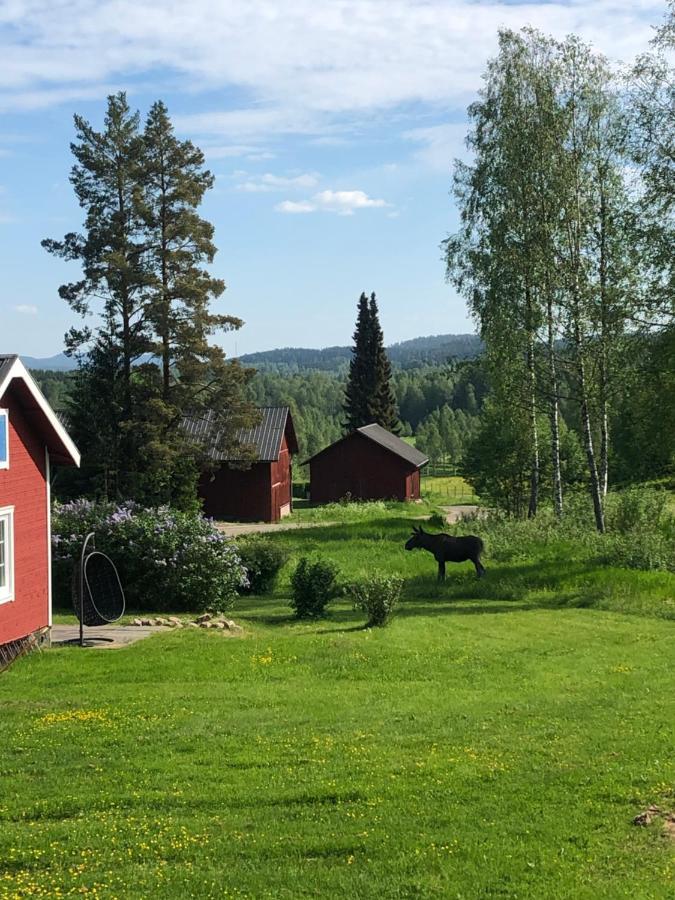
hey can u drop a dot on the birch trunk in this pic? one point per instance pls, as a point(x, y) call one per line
point(554, 413)
point(534, 435)
point(534, 432)
point(588, 433)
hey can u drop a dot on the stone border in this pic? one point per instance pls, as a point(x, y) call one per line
point(206, 620)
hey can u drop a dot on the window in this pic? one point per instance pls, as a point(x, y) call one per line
point(6, 554)
point(4, 439)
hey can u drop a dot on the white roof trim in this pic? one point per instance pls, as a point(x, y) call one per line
point(18, 370)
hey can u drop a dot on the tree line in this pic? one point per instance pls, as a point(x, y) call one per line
point(565, 253)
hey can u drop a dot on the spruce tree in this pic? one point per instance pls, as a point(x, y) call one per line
point(368, 395)
point(383, 405)
point(360, 381)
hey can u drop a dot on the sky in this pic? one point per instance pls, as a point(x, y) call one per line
point(330, 125)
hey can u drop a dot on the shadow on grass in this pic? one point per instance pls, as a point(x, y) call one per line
point(505, 588)
point(502, 583)
point(397, 527)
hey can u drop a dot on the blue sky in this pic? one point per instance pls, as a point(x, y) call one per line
point(330, 125)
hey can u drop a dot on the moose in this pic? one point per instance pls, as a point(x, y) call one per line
point(447, 548)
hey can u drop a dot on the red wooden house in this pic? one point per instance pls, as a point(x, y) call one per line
point(262, 492)
point(31, 439)
point(371, 463)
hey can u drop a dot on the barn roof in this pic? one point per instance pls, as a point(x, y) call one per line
point(38, 411)
point(266, 437)
point(389, 441)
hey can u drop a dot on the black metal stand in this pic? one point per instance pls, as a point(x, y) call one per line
point(89, 642)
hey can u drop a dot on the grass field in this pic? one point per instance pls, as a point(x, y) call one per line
point(436, 490)
point(496, 740)
point(447, 490)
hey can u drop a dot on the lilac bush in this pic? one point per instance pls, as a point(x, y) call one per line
point(167, 560)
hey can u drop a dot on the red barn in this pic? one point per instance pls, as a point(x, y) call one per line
point(263, 492)
point(371, 463)
point(31, 439)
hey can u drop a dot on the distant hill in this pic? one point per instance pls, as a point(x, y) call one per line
point(410, 354)
point(431, 350)
point(58, 363)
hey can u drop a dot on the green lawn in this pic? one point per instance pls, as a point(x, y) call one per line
point(496, 740)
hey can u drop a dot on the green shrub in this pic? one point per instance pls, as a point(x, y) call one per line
point(167, 560)
point(377, 595)
point(635, 508)
point(262, 560)
point(313, 584)
point(652, 549)
point(437, 520)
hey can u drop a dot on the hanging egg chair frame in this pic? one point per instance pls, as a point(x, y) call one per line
point(98, 596)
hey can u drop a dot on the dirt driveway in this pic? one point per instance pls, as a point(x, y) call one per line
point(452, 514)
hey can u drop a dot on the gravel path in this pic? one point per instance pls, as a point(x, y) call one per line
point(453, 514)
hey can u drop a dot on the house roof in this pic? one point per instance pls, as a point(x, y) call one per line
point(266, 437)
point(37, 409)
point(385, 439)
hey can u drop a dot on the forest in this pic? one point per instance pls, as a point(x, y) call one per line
point(443, 407)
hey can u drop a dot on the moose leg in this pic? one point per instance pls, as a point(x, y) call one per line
point(441, 570)
point(480, 568)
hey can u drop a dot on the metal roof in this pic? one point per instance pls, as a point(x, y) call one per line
point(265, 437)
point(5, 365)
point(390, 441)
point(386, 439)
point(37, 409)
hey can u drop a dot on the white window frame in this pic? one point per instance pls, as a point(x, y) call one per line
point(4, 414)
point(7, 516)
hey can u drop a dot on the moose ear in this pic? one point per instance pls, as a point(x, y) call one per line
point(414, 529)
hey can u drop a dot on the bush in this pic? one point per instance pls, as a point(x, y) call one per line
point(635, 508)
point(167, 560)
point(314, 585)
point(437, 520)
point(377, 596)
point(642, 531)
point(644, 550)
point(262, 560)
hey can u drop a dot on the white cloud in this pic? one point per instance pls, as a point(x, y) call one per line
point(225, 151)
point(291, 206)
point(344, 203)
point(439, 144)
point(269, 182)
point(301, 63)
point(26, 309)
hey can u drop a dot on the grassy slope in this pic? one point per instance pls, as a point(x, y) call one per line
point(486, 744)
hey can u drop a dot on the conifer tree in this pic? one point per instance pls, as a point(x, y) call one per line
point(195, 376)
point(143, 253)
point(383, 405)
point(111, 252)
point(360, 381)
point(369, 396)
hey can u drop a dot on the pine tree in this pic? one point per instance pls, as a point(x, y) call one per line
point(111, 252)
point(143, 253)
point(195, 376)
